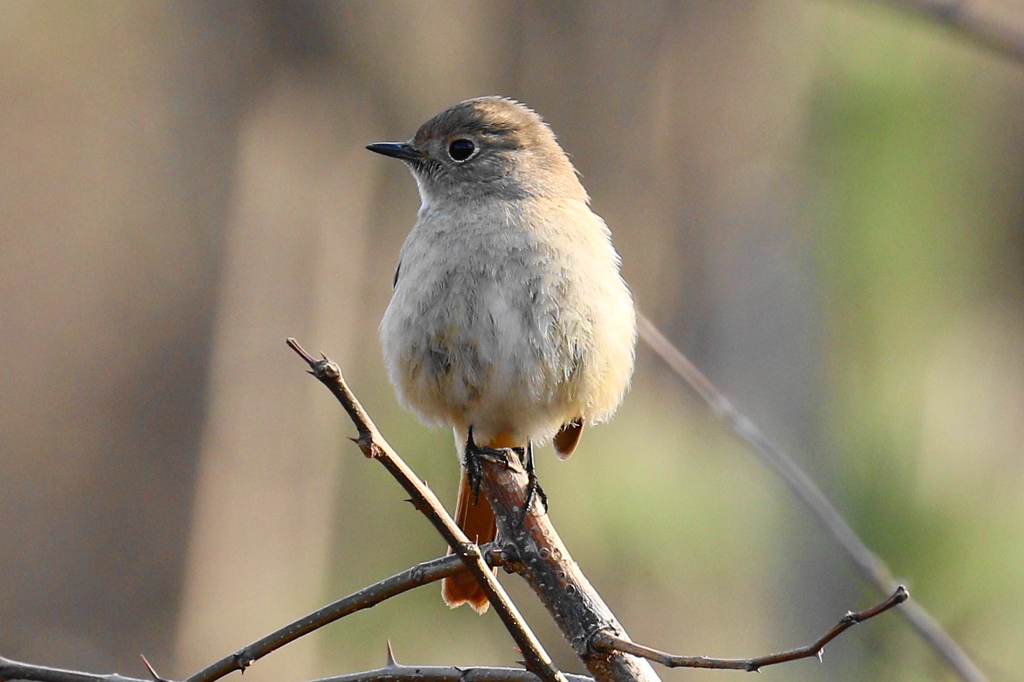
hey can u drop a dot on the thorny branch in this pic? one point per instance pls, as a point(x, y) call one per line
point(421, 574)
point(534, 551)
point(373, 445)
point(394, 671)
point(537, 553)
point(610, 642)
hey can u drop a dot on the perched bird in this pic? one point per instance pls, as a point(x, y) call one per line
point(509, 320)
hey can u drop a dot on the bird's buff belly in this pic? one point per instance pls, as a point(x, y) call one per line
point(515, 386)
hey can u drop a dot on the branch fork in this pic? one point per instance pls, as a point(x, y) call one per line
point(531, 547)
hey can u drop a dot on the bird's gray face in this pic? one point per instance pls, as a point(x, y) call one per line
point(488, 148)
point(466, 159)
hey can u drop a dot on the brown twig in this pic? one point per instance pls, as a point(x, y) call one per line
point(421, 574)
point(609, 642)
point(870, 566)
point(375, 447)
point(998, 32)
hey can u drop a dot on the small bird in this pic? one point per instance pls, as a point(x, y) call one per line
point(509, 320)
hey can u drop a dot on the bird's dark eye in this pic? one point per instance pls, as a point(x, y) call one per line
point(461, 149)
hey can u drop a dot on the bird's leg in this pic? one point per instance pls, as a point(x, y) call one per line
point(533, 489)
point(474, 453)
point(471, 461)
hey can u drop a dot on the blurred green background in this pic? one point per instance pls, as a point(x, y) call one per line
point(821, 202)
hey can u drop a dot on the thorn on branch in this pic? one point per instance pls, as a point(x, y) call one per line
point(152, 670)
point(243, 659)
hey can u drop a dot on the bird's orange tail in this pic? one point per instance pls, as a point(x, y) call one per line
point(476, 519)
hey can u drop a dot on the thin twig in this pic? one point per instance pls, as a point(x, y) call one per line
point(16, 670)
point(999, 32)
point(610, 642)
point(870, 566)
point(373, 445)
point(421, 574)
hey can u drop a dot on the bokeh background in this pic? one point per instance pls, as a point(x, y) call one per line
point(820, 201)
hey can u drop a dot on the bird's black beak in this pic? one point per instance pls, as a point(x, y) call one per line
point(397, 150)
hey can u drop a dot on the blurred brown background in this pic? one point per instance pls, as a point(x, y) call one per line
point(819, 201)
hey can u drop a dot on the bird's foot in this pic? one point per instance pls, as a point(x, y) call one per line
point(475, 454)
